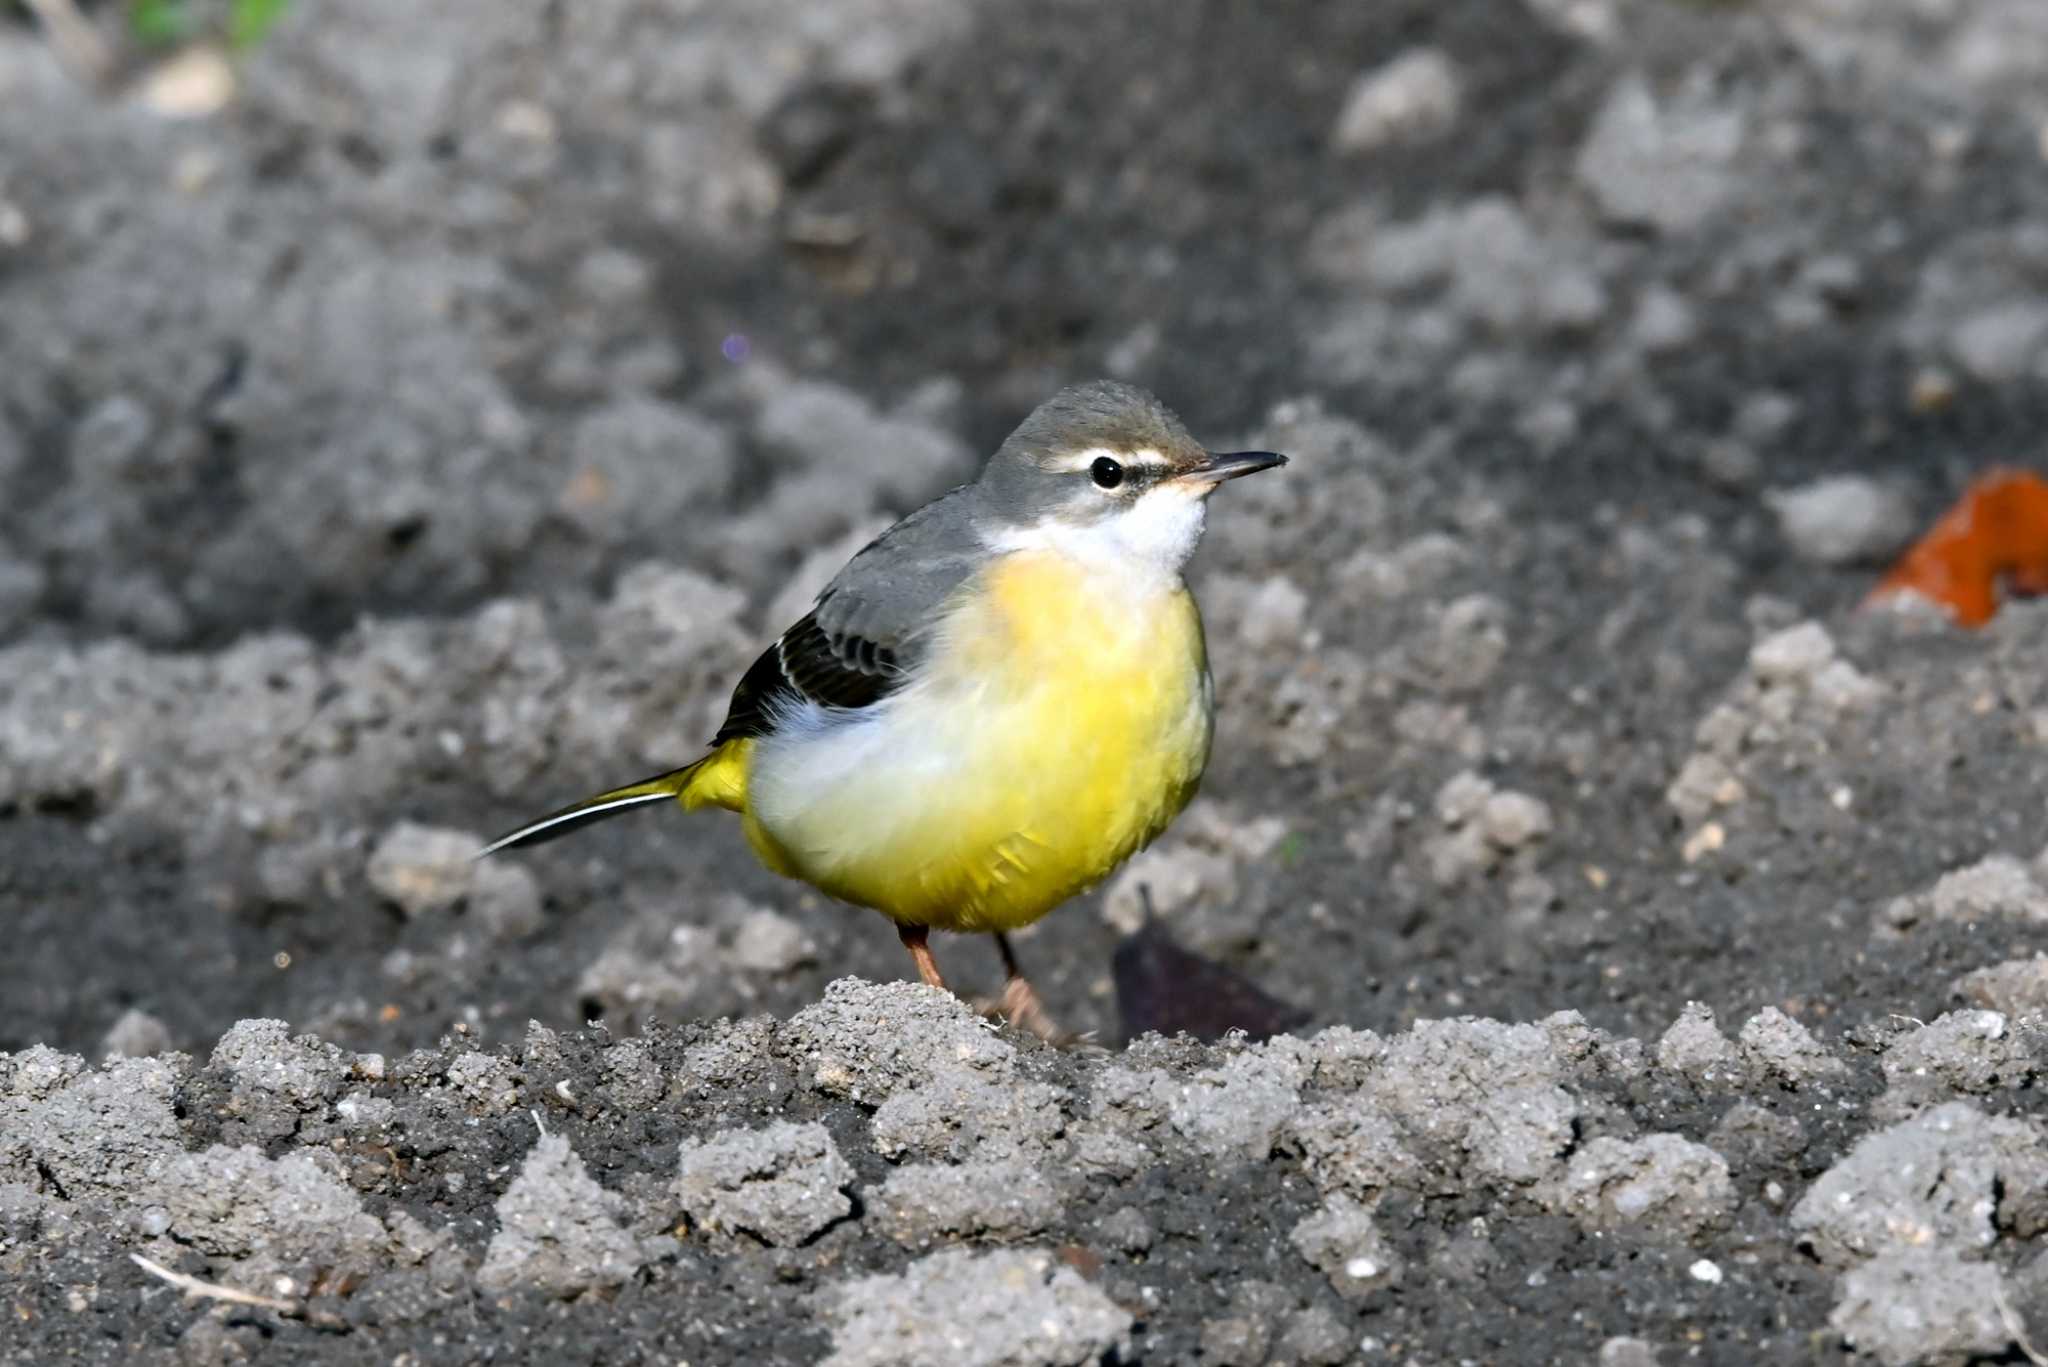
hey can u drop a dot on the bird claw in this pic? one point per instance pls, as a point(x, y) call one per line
point(1019, 1006)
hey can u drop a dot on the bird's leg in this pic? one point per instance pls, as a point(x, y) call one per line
point(914, 939)
point(1020, 1004)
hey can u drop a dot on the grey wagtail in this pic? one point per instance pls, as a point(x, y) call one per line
point(996, 702)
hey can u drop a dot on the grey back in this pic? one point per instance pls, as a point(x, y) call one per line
point(893, 588)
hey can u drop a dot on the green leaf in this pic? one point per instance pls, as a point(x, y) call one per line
point(159, 23)
point(249, 20)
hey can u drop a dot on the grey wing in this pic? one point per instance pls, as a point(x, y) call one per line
point(866, 634)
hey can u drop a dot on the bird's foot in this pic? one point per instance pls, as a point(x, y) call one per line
point(1021, 1007)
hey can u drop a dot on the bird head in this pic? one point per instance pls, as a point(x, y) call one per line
point(1106, 472)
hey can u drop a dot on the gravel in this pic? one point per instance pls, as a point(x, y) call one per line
point(1342, 1241)
point(1949, 1177)
point(1662, 1184)
point(1662, 165)
point(782, 1185)
point(1919, 1305)
point(264, 1219)
point(558, 1230)
point(921, 1204)
point(1004, 1185)
point(1413, 98)
point(1019, 1308)
point(1844, 519)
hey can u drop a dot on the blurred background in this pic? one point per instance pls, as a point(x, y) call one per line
point(412, 416)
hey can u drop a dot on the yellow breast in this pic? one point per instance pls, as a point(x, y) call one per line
point(1062, 720)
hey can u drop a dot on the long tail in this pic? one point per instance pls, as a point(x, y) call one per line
point(718, 779)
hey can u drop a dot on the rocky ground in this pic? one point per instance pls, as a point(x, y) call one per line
point(433, 431)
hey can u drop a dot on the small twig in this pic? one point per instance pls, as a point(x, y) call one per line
point(2015, 1326)
point(77, 43)
point(192, 1286)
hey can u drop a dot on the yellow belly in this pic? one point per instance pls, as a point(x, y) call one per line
point(1059, 725)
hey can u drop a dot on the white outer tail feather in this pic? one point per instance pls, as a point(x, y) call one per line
point(570, 816)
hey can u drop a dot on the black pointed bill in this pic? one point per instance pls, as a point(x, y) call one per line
point(1231, 466)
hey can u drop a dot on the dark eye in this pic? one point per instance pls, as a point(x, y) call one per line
point(1106, 472)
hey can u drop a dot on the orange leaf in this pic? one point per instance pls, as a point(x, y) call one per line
point(1997, 533)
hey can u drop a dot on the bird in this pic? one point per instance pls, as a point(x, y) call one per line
point(995, 703)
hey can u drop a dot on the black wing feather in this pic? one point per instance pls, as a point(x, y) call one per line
point(809, 663)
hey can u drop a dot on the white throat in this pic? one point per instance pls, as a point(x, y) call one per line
point(1147, 542)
